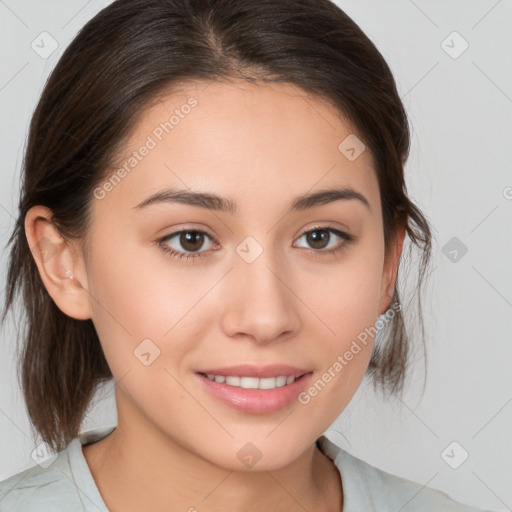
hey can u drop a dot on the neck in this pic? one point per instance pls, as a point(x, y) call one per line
point(141, 468)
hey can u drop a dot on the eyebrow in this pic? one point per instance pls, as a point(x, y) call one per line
point(217, 203)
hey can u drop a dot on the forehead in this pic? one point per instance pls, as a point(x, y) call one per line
point(242, 140)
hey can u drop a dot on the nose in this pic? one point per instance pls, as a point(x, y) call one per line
point(260, 300)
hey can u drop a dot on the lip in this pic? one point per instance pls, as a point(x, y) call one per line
point(251, 370)
point(255, 401)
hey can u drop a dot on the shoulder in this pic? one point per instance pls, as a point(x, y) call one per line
point(40, 488)
point(369, 488)
point(61, 482)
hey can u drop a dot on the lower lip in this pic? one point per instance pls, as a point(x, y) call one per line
point(256, 401)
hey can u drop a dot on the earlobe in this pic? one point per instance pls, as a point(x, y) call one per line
point(390, 270)
point(60, 266)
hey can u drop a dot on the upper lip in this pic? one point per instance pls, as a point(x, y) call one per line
point(251, 370)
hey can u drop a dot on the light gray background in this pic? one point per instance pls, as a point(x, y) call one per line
point(459, 173)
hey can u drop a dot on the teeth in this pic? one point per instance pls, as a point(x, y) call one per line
point(232, 381)
point(253, 382)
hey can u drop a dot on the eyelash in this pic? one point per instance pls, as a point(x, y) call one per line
point(193, 255)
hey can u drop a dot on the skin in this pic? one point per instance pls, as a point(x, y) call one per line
point(176, 446)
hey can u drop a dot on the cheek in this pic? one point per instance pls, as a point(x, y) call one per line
point(349, 310)
point(137, 298)
point(346, 300)
point(346, 295)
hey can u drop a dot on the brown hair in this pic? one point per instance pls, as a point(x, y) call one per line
point(132, 52)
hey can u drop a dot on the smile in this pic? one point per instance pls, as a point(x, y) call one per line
point(254, 395)
point(253, 382)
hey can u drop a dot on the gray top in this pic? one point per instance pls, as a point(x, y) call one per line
point(68, 485)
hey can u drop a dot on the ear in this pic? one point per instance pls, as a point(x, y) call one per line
point(390, 269)
point(60, 264)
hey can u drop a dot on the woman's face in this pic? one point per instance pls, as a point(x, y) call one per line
point(269, 283)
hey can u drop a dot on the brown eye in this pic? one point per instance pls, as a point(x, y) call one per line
point(191, 240)
point(319, 239)
point(185, 243)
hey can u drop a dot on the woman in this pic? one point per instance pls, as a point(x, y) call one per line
point(213, 215)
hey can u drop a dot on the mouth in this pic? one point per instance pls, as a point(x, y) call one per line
point(247, 382)
point(255, 395)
